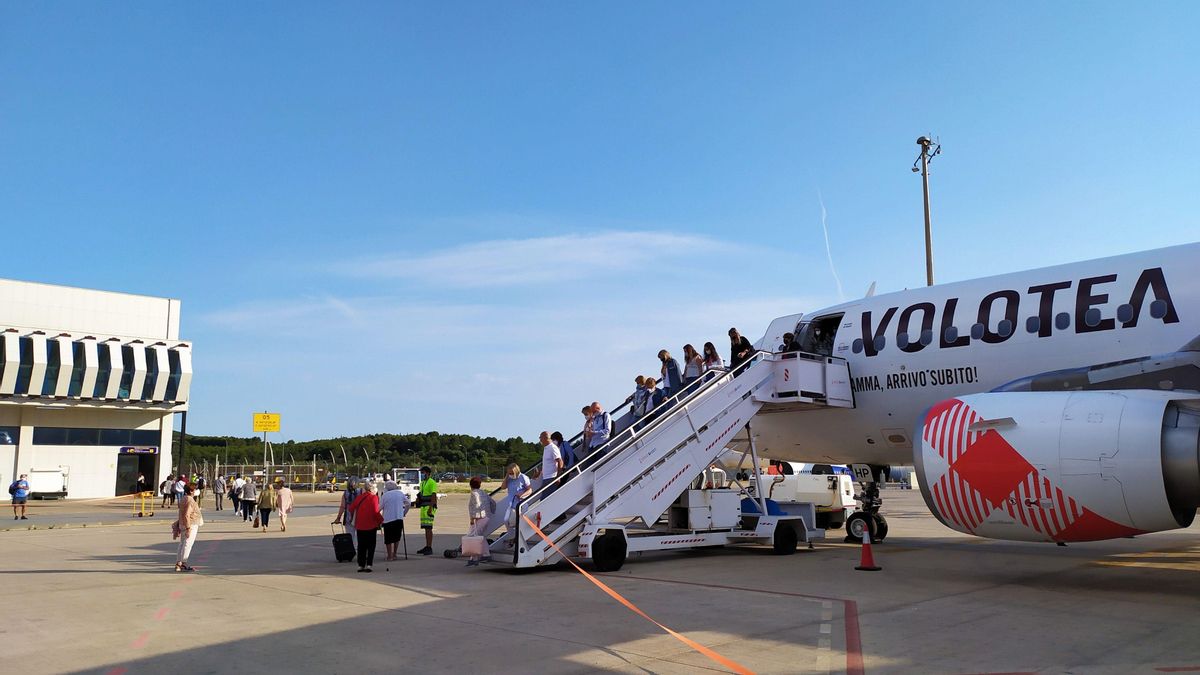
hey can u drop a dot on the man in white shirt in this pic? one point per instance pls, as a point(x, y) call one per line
point(237, 495)
point(552, 463)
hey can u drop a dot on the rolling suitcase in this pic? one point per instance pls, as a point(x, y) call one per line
point(343, 546)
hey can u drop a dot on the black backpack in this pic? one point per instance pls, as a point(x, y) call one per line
point(12, 489)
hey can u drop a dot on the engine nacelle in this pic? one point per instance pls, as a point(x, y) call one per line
point(1061, 466)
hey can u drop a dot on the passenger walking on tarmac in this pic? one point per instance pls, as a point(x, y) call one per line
point(200, 485)
point(235, 494)
point(519, 487)
point(740, 349)
point(177, 489)
point(394, 504)
point(428, 502)
point(268, 501)
point(367, 519)
point(712, 360)
point(19, 489)
point(189, 522)
point(249, 500)
point(480, 508)
point(671, 380)
point(552, 463)
point(286, 501)
point(693, 364)
point(345, 517)
point(165, 488)
point(568, 453)
point(219, 489)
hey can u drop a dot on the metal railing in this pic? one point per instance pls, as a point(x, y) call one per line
point(614, 447)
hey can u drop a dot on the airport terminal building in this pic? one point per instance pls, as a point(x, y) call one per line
point(90, 382)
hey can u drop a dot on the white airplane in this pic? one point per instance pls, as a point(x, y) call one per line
point(1058, 404)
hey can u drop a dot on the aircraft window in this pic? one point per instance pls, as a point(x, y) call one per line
point(927, 337)
point(857, 346)
point(977, 331)
point(1005, 328)
point(880, 343)
point(1062, 321)
point(1125, 313)
point(1158, 309)
point(902, 340)
point(1092, 317)
point(1033, 324)
point(951, 333)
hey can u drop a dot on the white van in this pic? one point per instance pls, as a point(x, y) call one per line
point(409, 480)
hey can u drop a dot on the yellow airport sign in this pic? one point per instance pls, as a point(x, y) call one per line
point(266, 422)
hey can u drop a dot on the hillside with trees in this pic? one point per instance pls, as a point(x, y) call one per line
point(375, 452)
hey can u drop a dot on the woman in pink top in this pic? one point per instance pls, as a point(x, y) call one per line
point(188, 523)
point(286, 500)
point(368, 516)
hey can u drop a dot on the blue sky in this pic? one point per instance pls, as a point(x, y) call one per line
point(477, 217)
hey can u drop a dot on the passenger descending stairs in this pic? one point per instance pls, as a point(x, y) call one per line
point(644, 468)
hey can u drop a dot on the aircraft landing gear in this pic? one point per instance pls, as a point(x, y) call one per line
point(868, 518)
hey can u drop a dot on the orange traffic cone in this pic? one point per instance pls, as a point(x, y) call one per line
point(867, 562)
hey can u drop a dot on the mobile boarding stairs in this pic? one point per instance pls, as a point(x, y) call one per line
point(644, 489)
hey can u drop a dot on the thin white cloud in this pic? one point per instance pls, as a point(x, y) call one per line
point(539, 260)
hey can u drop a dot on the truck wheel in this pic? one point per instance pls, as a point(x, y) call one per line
point(785, 539)
point(608, 551)
point(856, 524)
point(881, 527)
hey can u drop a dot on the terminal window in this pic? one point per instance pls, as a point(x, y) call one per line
point(87, 436)
point(9, 435)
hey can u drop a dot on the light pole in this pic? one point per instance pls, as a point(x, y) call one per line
point(929, 150)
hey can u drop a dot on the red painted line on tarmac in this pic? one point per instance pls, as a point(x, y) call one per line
point(119, 670)
point(162, 613)
point(176, 594)
point(141, 640)
point(854, 657)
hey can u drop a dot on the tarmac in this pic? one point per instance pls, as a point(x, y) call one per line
point(85, 597)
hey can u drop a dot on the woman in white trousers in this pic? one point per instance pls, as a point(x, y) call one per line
point(190, 520)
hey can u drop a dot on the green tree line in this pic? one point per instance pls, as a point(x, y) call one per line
point(374, 452)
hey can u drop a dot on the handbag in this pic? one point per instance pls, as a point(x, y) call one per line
point(175, 532)
point(256, 522)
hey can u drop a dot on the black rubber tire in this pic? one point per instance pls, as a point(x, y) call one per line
point(881, 528)
point(609, 551)
point(785, 539)
point(856, 523)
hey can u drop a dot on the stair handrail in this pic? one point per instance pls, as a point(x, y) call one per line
point(658, 416)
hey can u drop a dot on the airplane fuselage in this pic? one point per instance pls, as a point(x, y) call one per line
point(908, 350)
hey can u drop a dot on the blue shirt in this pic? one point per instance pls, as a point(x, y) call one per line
point(516, 486)
point(22, 489)
point(672, 375)
point(568, 454)
point(601, 424)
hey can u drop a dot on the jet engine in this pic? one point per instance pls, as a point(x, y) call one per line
point(1061, 466)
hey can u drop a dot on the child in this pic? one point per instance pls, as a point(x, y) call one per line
point(480, 508)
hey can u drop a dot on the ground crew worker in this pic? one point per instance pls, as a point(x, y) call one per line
point(428, 503)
